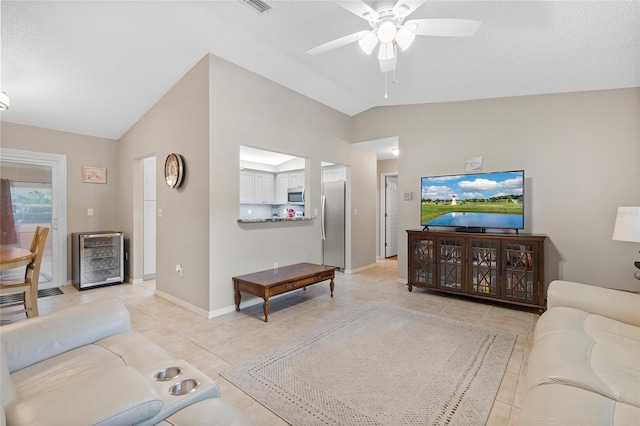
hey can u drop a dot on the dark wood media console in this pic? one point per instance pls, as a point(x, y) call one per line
point(504, 267)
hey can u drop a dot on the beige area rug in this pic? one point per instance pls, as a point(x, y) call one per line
point(381, 365)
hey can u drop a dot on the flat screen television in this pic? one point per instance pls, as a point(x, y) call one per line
point(473, 202)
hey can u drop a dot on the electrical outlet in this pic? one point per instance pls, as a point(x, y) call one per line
point(159, 212)
point(89, 212)
point(275, 265)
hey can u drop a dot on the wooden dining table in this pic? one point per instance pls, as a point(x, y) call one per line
point(14, 257)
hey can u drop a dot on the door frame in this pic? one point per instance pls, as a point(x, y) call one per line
point(58, 164)
point(383, 204)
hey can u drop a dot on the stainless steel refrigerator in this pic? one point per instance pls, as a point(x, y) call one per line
point(332, 224)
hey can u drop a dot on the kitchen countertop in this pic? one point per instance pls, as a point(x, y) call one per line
point(276, 219)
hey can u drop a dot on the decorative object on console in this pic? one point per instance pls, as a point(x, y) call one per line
point(627, 228)
point(173, 170)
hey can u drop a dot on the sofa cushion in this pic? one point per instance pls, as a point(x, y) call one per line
point(586, 351)
point(557, 404)
point(29, 342)
point(64, 369)
point(114, 397)
point(136, 350)
point(7, 390)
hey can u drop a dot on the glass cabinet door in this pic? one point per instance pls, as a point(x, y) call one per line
point(450, 264)
point(484, 267)
point(422, 265)
point(521, 282)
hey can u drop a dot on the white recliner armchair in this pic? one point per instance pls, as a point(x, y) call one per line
point(84, 366)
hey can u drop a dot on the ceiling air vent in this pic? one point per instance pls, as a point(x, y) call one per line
point(258, 5)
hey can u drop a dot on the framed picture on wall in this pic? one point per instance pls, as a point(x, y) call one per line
point(94, 174)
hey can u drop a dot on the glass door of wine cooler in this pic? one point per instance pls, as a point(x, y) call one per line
point(98, 259)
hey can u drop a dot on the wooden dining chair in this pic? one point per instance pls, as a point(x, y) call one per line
point(28, 286)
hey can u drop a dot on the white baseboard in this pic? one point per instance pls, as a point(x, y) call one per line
point(182, 303)
point(232, 308)
point(360, 269)
point(401, 280)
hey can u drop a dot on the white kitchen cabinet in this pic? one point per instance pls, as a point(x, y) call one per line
point(296, 179)
point(282, 184)
point(246, 187)
point(263, 188)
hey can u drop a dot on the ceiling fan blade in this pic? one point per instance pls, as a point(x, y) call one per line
point(339, 42)
point(443, 27)
point(360, 8)
point(406, 7)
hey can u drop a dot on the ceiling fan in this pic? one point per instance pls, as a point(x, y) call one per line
point(390, 30)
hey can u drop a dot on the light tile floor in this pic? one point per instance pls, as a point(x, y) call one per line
point(219, 343)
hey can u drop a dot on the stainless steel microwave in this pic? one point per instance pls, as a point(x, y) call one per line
point(295, 196)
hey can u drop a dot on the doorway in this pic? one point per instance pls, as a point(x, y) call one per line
point(389, 231)
point(37, 183)
point(149, 218)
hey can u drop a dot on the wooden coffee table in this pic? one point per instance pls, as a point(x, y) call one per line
point(281, 280)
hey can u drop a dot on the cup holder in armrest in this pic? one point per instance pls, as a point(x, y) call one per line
point(167, 374)
point(184, 387)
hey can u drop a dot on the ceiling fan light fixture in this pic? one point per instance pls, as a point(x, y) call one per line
point(368, 43)
point(387, 31)
point(4, 101)
point(404, 38)
point(386, 51)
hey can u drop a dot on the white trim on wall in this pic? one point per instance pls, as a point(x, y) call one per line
point(381, 223)
point(58, 164)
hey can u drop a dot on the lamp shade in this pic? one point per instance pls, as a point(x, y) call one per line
point(404, 38)
point(627, 227)
point(368, 43)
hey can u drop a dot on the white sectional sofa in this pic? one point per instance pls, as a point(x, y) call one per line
point(584, 367)
point(84, 366)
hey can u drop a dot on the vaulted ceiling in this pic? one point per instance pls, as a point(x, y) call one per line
point(95, 67)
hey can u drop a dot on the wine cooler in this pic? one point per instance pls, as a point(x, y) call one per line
point(97, 259)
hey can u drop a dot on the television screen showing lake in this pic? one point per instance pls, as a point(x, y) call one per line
point(478, 220)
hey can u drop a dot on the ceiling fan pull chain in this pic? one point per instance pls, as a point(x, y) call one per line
point(385, 85)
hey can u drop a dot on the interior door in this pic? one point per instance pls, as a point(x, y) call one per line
point(391, 216)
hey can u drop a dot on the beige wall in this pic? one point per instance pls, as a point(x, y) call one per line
point(81, 151)
point(177, 123)
point(249, 110)
point(206, 117)
point(580, 152)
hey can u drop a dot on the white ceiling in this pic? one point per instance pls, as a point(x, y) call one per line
point(95, 67)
